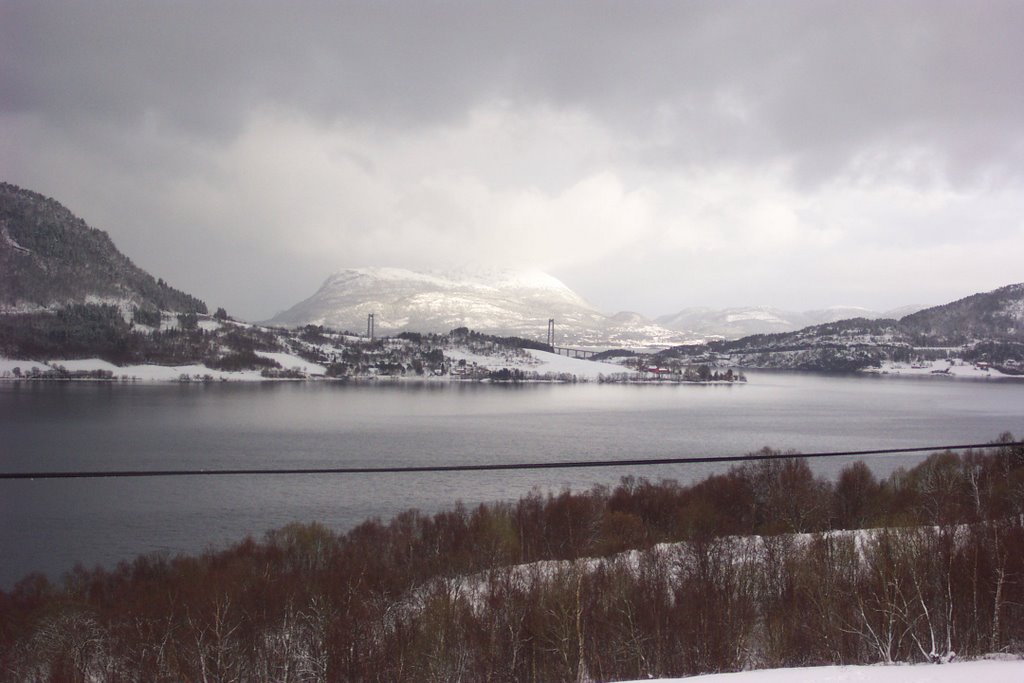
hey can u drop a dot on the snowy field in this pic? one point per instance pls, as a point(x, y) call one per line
point(997, 669)
point(584, 369)
point(289, 362)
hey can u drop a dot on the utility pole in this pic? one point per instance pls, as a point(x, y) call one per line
point(551, 332)
point(369, 326)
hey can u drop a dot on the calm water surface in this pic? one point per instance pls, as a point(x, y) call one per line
point(50, 525)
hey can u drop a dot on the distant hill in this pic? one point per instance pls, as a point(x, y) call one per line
point(50, 258)
point(739, 322)
point(503, 302)
point(987, 326)
point(990, 315)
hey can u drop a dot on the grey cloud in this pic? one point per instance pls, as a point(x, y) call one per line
point(819, 79)
point(137, 98)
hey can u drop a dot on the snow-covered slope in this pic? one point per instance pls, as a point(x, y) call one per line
point(500, 302)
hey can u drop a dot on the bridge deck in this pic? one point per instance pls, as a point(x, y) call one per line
point(572, 353)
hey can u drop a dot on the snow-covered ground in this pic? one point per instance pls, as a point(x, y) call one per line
point(997, 669)
point(7, 365)
point(583, 369)
point(291, 362)
point(941, 368)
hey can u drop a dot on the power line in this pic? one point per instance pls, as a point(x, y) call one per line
point(497, 467)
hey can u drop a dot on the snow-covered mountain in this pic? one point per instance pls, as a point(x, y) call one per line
point(735, 323)
point(503, 302)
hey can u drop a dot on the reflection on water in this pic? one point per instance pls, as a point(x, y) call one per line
point(49, 525)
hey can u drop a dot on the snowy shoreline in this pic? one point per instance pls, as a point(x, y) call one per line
point(545, 368)
point(952, 369)
point(539, 367)
point(200, 374)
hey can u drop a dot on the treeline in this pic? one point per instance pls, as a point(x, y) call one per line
point(75, 331)
point(466, 336)
point(759, 566)
point(100, 331)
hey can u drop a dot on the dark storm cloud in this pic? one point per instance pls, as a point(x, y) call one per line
point(336, 132)
point(814, 80)
point(204, 65)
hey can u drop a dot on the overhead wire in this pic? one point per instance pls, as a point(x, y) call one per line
point(495, 467)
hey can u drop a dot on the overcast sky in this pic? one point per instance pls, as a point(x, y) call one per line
point(652, 155)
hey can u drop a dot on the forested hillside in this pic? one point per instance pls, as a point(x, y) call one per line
point(50, 258)
point(993, 315)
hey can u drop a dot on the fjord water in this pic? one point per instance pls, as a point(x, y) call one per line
point(49, 525)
